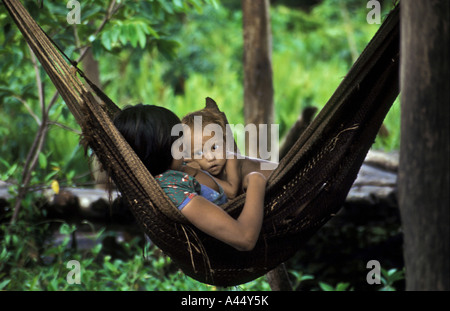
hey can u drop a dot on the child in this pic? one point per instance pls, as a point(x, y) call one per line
point(212, 156)
point(147, 129)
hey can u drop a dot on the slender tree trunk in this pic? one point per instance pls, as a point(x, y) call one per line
point(258, 91)
point(258, 84)
point(424, 152)
point(90, 67)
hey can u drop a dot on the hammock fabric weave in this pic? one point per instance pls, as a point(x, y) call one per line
point(303, 193)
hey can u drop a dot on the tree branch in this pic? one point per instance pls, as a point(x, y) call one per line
point(67, 128)
point(38, 143)
point(39, 83)
point(112, 9)
point(30, 111)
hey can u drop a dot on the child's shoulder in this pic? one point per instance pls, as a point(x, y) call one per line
point(189, 168)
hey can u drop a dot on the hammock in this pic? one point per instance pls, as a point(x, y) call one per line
point(303, 193)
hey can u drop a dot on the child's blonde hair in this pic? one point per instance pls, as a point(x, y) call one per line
point(209, 116)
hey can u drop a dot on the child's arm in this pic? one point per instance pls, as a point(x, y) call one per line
point(201, 177)
point(231, 184)
point(241, 233)
point(193, 164)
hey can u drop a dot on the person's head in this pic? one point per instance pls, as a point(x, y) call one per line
point(147, 129)
point(207, 149)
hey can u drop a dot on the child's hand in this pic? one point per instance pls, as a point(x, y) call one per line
point(254, 177)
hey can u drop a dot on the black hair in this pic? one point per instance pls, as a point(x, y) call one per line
point(147, 129)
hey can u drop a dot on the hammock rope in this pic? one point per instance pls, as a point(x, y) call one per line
point(308, 187)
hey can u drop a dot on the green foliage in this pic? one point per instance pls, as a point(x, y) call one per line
point(135, 27)
point(389, 277)
point(30, 259)
point(340, 287)
point(298, 277)
point(311, 55)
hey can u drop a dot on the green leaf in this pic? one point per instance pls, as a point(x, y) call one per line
point(106, 40)
point(111, 267)
point(54, 284)
point(10, 171)
point(166, 6)
point(4, 255)
point(96, 249)
point(4, 283)
point(34, 282)
point(151, 31)
point(114, 33)
point(67, 229)
point(197, 5)
point(50, 176)
point(123, 35)
point(42, 160)
point(142, 40)
point(326, 287)
point(215, 4)
point(131, 31)
point(178, 4)
point(342, 286)
point(121, 278)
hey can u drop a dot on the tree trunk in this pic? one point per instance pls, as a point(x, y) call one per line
point(258, 91)
point(258, 84)
point(278, 279)
point(424, 152)
point(91, 70)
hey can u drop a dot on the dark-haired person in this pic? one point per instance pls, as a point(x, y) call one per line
point(148, 129)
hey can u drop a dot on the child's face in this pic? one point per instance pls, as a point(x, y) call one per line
point(209, 153)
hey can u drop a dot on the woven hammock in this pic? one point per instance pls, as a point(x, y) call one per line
point(303, 193)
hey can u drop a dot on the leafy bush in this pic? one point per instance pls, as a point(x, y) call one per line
point(28, 261)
